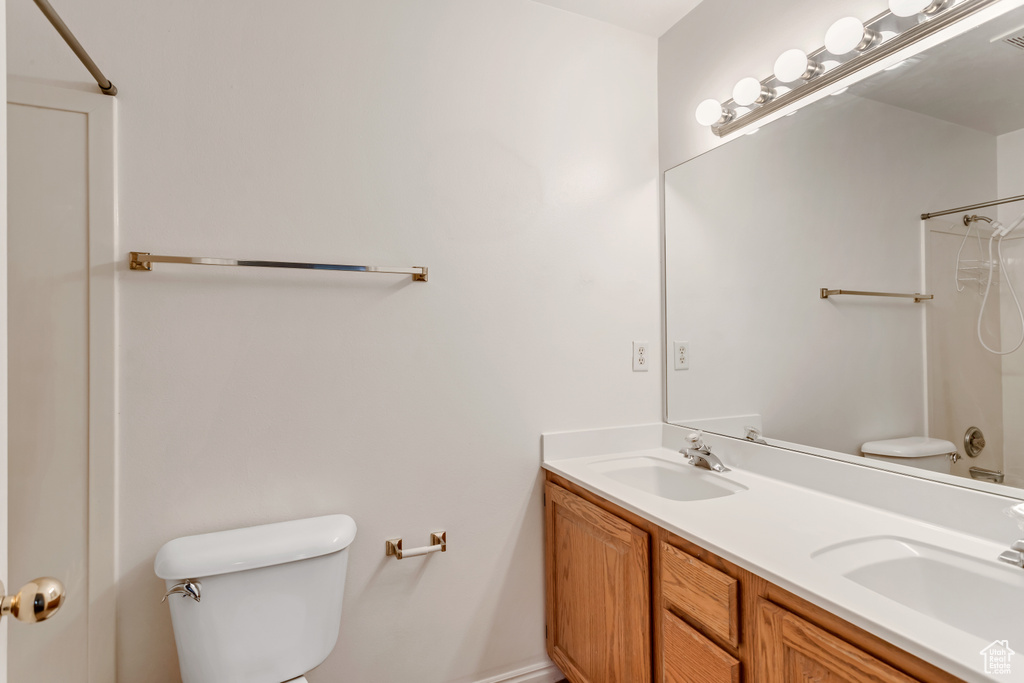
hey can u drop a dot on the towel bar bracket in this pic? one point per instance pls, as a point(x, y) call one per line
point(137, 263)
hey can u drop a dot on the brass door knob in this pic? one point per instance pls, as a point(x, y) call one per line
point(38, 600)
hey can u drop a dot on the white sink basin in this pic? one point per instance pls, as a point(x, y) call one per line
point(667, 479)
point(977, 595)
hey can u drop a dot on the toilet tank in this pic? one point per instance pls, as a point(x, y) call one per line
point(271, 599)
point(913, 451)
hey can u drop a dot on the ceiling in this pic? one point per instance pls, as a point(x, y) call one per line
point(652, 17)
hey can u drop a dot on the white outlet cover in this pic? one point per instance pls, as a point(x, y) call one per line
point(681, 355)
point(641, 356)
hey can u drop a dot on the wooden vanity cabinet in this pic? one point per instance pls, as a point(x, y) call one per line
point(598, 592)
point(629, 602)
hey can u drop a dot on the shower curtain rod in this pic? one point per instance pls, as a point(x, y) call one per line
point(972, 207)
point(102, 81)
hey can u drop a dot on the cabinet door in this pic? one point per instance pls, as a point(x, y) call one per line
point(791, 649)
point(598, 592)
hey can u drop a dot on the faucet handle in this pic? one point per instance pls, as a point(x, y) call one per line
point(754, 434)
point(696, 438)
point(1014, 557)
point(1018, 545)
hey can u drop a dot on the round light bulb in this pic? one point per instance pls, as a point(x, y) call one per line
point(749, 91)
point(848, 35)
point(909, 8)
point(794, 65)
point(710, 112)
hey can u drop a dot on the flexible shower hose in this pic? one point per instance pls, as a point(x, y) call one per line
point(999, 234)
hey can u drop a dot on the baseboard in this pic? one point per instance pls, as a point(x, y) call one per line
point(538, 673)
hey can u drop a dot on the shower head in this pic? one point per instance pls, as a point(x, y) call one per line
point(975, 218)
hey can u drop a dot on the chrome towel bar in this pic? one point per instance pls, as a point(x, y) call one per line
point(143, 260)
point(918, 298)
point(438, 544)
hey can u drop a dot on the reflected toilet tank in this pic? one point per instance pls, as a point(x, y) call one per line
point(934, 455)
point(262, 604)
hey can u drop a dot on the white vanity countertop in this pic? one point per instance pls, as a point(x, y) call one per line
point(796, 505)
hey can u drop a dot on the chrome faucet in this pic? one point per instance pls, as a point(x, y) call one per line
point(1015, 555)
point(699, 454)
point(754, 434)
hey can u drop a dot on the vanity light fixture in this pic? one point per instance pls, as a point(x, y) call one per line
point(909, 8)
point(855, 45)
point(750, 91)
point(849, 34)
point(711, 113)
point(794, 65)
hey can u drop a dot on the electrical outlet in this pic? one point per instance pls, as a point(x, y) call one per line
point(641, 357)
point(681, 355)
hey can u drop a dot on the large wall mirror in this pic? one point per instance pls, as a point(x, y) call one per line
point(833, 197)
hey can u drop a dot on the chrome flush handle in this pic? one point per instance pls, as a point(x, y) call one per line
point(189, 588)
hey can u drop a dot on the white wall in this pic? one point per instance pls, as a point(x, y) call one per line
point(1010, 150)
point(722, 41)
point(510, 147)
point(753, 231)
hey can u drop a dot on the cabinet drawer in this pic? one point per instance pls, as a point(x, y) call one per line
point(689, 657)
point(705, 595)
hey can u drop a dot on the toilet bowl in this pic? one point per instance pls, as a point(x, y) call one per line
point(934, 455)
point(260, 604)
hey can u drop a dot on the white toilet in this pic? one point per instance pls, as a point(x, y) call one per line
point(257, 605)
point(935, 455)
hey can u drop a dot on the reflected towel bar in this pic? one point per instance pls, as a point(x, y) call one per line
point(143, 260)
point(918, 298)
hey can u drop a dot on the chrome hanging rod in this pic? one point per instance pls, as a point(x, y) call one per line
point(918, 298)
point(972, 207)
point(143, 260)
point(102, 81)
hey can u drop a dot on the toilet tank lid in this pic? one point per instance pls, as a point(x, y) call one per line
point(222, 552)
point(909, 447)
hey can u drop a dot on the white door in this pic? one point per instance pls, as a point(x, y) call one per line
point(61, 266)
point(3, 339)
